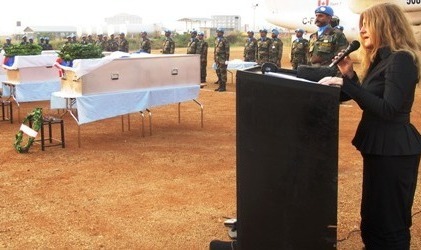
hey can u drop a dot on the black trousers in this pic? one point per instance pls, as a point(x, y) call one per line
point(389, 184)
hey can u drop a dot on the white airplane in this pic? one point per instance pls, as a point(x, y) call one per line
point(300, 13)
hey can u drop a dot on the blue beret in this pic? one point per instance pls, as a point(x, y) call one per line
point(275, 31)
point(299, 30)
point(324, 10)
point(219, 30)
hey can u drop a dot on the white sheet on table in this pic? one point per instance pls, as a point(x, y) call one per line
point(102, 106)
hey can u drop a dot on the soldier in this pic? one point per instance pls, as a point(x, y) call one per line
point(299, 49)
point(47, 44)
point(192, 45)
point(263, 46)
point(7, 43)
point(84, 40)
point(145, 45)
point(276, 49)
point(74, 39)
point(100, 42)
point(168, 46)
point(202, 49)
point(250, 48)
point(31, 40)
point(24, 40)
point(123, 44)
point(69, 40)
point(90, 39)
point(112, 44)
point(327, 42)
point(221, 57)
point(41, 42)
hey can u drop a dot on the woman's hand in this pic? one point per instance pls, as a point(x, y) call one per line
point(345, 65)
point(331, 81)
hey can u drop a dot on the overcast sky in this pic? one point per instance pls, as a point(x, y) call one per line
point(88, 12)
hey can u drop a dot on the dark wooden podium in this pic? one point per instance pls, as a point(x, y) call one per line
point(287, 162)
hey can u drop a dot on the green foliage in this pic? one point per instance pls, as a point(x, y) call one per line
point(22, 50)
point(73, 51)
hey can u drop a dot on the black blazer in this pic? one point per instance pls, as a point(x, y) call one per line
point(386, 97)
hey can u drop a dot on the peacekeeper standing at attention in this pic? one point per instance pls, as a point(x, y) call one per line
point(192, 45)
point(145, 45)
point(112, 44)
point(250, 48)
point(327, 42)
point(263, 46)
point(202, 49)
point(276, 49)
point(221, 56)
point(123, 44)
point(168, 46)
point(299, 49)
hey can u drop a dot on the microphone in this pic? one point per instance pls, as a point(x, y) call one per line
point(353, 46)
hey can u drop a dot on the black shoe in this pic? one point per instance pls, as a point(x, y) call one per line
point(217, 89)
point(202, 81)
point(222, 89)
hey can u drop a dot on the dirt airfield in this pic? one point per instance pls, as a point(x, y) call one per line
point(171, 189)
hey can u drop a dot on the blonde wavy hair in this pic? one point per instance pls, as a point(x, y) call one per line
point(388, 27)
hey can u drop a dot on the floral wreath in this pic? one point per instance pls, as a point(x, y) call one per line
point(36, 118)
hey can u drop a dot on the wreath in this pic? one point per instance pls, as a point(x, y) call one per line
point(35, 117)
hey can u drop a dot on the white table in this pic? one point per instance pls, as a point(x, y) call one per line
point(236, 64)
point(90, 108)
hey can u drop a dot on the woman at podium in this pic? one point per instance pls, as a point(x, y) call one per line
point(390, 145)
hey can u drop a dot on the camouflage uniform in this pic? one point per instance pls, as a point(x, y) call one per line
point(326, 46)
point(202, 49)
point(221, 55)
point(276, 49)
point(250, 48)
point(169, 45)
point(112, 44)
point(192, 45)
point(299, 50)
point(47, 45)
point(100, 42)
point(263, 46)
point(145, 45)
point(123, 45)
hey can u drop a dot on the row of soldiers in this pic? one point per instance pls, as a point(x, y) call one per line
point(264, 49)
point(111, 44)
point(319, 50)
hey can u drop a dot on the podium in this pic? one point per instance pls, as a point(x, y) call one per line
point(287, 162)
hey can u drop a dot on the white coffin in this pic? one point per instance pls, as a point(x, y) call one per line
point(32, 69)
point(132, 73)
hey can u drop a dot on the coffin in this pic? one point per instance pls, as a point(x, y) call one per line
point(32, 69)
point(131, 72)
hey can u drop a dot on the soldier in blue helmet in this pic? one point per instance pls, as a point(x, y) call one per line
point(263, 45)
point(221, 56)
point(276, 49)
point(192, 45)
point(202, 49)
point(327, 41)
point(299, 49)
point(168, 47)
point(250, 48)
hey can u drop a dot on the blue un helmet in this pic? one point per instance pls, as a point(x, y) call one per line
point(327, 10)
point(275, 31)
point(220, 30)
point(200, 34)
point(299, 31)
